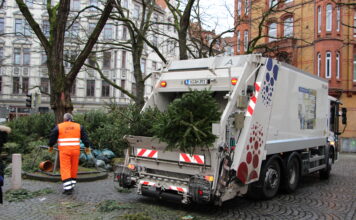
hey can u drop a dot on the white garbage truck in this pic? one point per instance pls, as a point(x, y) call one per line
point(277, 124)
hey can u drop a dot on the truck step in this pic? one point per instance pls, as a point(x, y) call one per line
point(316, 158)
point(317, 168)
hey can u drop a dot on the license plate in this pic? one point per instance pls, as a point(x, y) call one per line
point(190, 82)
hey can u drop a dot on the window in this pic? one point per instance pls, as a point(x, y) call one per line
point(245, 40)
point(143, 66)
point(328, 17)
point(74, 30)
point(319, 64)
point(108, 31)
point(15, 85)
point(133, 89)
point(169, 27)
point(246, 6)
point(1, 55)
point(92, 59)
point(90, 88)
point(107, 60)
point(26, 56)
point(45, 85)
point(75, 5)
point(328, 65)
point(124, 33)
point(155, 21)
point(238, 41)
point(22, 28)
point(43, 58)
point(18, 26)
point(73, 88)
point(29, 3)
point(338, 18)
point(125, 4)
point(2, 26)
point(337, 65)
point(319, 19)
point(354, 67)
point(0, 84)
point(105, 89)
point(155, 40)
point(136, 12)
point(239, 7)
point(93, 3)
point(288, 27)
point(122, 86)
point(69, 57)
point(91, 28)
point(25, 83)
point(123, 59)
point(154, 66)
point(273, 3)
point(45, 27)
point(272, 32)
point(17, 56)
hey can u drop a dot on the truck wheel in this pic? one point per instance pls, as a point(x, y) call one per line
point(268, 185)
point(291, 179)
point(324, 174)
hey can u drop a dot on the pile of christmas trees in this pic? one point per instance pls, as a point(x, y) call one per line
point(187, 123)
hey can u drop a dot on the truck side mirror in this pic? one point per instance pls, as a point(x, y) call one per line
point(343, 115)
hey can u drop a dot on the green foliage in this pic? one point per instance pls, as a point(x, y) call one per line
point(105, 130)
point(111, 205)
point(19, 195)
point(27, 129)
point(31, 161)
point(187, 123)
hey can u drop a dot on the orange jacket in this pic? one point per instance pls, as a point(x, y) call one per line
point(68, 134)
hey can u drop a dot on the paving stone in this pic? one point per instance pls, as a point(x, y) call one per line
point(314, 199)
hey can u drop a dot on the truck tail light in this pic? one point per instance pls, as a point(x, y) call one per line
point(233, 81)
point(200, 192)
point(131, 166)
point(209, 178)
point(163, 83)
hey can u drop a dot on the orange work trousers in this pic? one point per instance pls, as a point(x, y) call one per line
point(69, 161)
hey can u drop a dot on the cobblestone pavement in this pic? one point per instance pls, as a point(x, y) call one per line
point(314, 199)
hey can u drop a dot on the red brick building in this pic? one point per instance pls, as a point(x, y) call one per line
point(317, 36)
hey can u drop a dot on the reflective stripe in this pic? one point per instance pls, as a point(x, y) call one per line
point(69, 144)
point(69, 139)
point(67, 187)
point(67, 183)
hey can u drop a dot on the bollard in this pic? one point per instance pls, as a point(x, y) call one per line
point(16, 180)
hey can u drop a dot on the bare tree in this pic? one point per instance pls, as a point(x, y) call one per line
point(61, 82)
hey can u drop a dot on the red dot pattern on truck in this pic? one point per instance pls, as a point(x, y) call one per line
point(247, 169)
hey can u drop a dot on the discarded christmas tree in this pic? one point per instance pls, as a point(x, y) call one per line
point(187, 123)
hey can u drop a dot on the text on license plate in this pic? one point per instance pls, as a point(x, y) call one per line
point(196, 81)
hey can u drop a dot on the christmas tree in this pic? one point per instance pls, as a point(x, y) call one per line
point(187, 123)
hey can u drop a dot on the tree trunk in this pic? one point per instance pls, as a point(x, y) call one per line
point(140, 84)
point(183, 52)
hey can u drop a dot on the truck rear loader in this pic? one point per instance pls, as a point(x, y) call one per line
point(277, 124)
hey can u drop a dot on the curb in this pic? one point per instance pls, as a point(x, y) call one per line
point(81, 177)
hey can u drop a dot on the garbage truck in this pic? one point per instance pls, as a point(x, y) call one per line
point(277, 124)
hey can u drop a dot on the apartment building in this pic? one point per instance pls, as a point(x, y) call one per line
point(23, 61)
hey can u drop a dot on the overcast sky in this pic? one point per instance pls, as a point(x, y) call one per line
point(219, 14)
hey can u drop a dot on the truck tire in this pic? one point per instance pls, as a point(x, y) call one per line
point(270, 178)
point(292, 174)
point(324, 174)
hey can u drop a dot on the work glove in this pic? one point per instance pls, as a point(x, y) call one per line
point(50, 149)
point(87, 150)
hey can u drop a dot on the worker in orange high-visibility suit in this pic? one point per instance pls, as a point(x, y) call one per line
point(68, 135)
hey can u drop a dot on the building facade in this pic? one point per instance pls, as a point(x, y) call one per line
point(23, 61)
point(317, 36)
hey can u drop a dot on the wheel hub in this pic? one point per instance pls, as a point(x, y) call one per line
point(272, 178)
